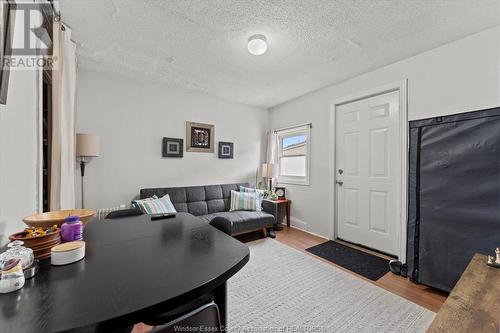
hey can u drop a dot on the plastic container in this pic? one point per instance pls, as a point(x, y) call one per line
point(72, 229)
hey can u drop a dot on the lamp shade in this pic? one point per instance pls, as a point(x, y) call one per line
point(87, 145)
point(267, 170)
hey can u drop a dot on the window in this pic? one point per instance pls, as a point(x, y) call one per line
point(293, 155)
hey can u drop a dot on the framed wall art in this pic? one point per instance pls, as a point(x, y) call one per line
point(200, 137)
point(226, 149)
point(172, 147)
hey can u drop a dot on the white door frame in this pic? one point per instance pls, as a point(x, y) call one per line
point(402, 87)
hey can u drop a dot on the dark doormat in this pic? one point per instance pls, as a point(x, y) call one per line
point(362, 263)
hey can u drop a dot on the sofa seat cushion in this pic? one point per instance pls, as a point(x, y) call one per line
point(243, 220)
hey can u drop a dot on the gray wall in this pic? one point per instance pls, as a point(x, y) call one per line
point(131, 118)
point(457, 77)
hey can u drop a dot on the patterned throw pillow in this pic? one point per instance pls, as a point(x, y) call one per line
point(243, 201)
point(259, 195)
point(155, 205)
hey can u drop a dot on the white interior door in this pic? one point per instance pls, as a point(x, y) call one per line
point(368, 172)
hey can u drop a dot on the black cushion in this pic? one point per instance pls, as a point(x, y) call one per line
point(217, 205)
point(124, 213)
point(243, 220)
point(197, 208)
point(222, 224)
point(227, 188)
point(181, 207)
point(213, 192)
point(195, 193)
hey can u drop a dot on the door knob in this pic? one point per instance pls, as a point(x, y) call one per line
point(341, 171)
point(340, 182)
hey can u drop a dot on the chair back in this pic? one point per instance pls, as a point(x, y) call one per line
point(204, 319)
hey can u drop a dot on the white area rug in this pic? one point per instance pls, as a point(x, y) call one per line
point(284, 290)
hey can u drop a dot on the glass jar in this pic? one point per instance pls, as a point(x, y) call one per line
point(11, 276)
point(17, 251)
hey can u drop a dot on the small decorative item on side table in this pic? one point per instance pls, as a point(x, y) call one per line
point(280, 191)
point(494, 261)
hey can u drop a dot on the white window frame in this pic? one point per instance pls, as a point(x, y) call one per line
point(295, 130)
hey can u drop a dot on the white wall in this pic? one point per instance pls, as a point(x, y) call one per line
point(19, 149)
point(458, 77)
point(131, 118)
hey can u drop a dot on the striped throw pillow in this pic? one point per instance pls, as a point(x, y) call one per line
point(155, 205)
point(259, 195)
point(243, 201)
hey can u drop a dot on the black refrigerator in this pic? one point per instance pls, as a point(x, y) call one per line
point(454, 194)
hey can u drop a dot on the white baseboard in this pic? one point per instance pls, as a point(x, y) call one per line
point(299, 224)
point(302, 226)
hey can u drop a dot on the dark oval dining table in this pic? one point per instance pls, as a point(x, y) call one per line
point(133, 268)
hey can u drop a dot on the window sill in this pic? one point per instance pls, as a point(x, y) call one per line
point(304, 182)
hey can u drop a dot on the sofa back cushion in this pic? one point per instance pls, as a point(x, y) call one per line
point(197, 200)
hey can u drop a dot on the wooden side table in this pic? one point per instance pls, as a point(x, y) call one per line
point(288, 204)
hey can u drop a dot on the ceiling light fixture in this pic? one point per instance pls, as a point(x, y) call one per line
point(257, 45)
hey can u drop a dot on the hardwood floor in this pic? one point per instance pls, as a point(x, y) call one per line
point(427, 297)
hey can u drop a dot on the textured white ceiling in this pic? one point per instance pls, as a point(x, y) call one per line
point(201, 44)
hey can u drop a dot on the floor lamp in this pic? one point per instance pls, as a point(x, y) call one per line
point(87, 146)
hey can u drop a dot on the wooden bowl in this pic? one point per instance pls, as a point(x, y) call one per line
point(40, 245)
point(49, 219)
point(36, 241)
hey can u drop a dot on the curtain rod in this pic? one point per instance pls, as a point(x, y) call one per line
point(57, 14)
point(295, 126)
point(57, 18)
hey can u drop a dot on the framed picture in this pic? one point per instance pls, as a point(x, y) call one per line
point(200, 137)
point(172, 147)
point(226, 149)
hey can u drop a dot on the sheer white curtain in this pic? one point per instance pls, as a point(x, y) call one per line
point(62, 177)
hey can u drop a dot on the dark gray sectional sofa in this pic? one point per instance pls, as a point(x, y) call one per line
point(210, 201)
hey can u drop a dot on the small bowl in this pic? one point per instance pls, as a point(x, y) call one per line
point(49, 219)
